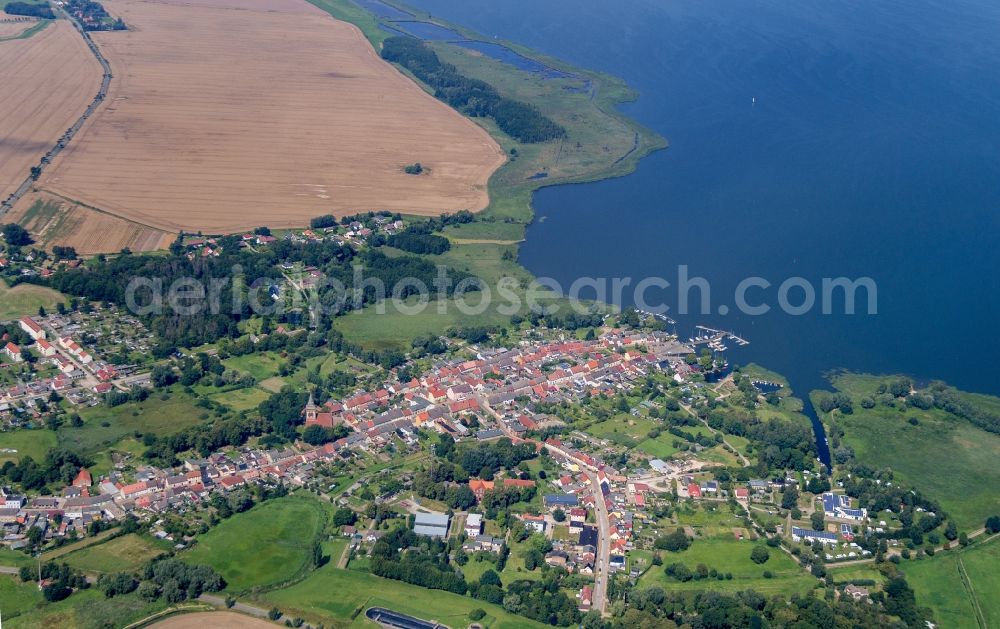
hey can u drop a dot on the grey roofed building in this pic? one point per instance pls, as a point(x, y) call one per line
point(430, 531)
point(432, 519)
point(561, 500)
point(431, 524)
point(659, 465)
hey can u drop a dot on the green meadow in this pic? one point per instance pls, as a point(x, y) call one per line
point(25, 299)
point(947, 458)
point(125, 553)
point(106, 427)
point(265, 546)
point(959, 586)
point(338, 598)
point(725, 554)
point(86, 609)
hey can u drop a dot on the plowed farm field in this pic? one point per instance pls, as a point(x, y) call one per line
point(46, 82)
point(59, 222)
point(223, 116)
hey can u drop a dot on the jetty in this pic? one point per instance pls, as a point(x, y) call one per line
point(715, 339)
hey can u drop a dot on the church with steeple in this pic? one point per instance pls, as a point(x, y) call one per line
point(315, 415)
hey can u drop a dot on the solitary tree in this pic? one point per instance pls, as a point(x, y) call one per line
point(759, 554)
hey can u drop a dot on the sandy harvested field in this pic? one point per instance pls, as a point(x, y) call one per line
point(221, 119)
point(46, 82)
point(58, 222)
point(10, 28)
point(212, 620)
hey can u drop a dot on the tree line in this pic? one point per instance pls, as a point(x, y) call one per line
point(473, 97)
point(108, 280)
point(41, 11)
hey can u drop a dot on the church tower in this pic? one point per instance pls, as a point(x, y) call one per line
point(311, 409)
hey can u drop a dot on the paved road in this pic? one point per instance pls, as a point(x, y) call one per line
point(601, 572)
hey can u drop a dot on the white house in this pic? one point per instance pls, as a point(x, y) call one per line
point(34, 330)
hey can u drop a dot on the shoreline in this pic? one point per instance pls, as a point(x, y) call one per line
point(645, 141)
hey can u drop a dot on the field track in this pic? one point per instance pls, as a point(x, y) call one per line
point(47, 81)
point(54, 221)
point(222, 118)
point(212, 620)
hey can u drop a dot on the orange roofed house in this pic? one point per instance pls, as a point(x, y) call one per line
point(480, 487)
point(83, 479)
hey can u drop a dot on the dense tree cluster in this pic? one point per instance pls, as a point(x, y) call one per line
point(60, 580)
point(316, 435)
point(949, 399)
point(415, 241)
point(493, 455)
point(502, 497)
point(14, 234)
point(204, 438)
point(30, 9)
point(472, 97)
point(785, 444)
point(424, 562)
point(178, 580)
point(542, 601)
point(236, 275)
point(59, 467)
point(674, 542)
point(14, 334)
point(117, 584)
point(655, 608)
point(283, 410)
point(563, 320)
point(94, 16)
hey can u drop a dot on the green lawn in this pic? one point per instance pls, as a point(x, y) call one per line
point(241, 399)
point(260, 365)
point(937, 455)
point(710, 522)
point(16, 597)
point(338, 598)
point(475, 569)
point(661, 447)
point(105, 426)
point(25, 299)
point(496, 231)
point(515, 570)
point(87, 609)
point(34, 443)
point(14, 558)
point(264, 546)
point(125, 553)
point(939, 584)
point(725, 554)
point(629, 431)
point(850, 573)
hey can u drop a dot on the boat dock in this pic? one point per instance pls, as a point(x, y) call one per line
point(715, 339)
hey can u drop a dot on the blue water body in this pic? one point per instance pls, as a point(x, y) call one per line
point(428, 31)
point(382, 9)
point(767, 387)
point(872, 149)
point(519, 61)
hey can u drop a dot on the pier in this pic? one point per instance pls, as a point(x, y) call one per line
point(715, 338)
